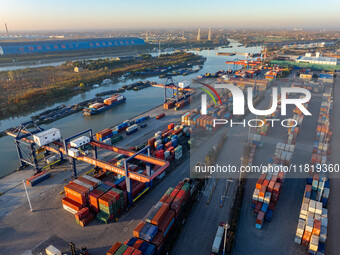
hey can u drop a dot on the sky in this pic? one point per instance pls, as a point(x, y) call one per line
point(30, 15)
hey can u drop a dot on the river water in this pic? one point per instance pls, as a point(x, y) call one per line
point(136, 102)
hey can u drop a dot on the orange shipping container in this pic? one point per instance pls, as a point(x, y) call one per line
point(137, 230)
point(138, 243)
point(159, 216)
point(114, 248)
point(75, 194)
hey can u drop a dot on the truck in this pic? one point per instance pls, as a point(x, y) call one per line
point(132, 129)
point(218, 239)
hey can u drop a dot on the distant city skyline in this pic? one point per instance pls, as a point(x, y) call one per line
point(33, 15)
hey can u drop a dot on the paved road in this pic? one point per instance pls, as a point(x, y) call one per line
point(281, 231)
point(332, 247)
point(199, 232)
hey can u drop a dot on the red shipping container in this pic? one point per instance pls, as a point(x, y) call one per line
point(164, 198)
point(260, 218)
point(160, 116)
point(277, 188)
point(87, 181)
point(258, 207)
point(182, 195)
point(280, 176)
point(110, 184)
point(106, 200)
point(171, 149)
point(272, 205)
point(271, 186)
point(72, 204)
point(86, 220)
point(166, 221)
point(168, 145)
point(171, 126)
point(114, 248)
point(275, 197)
point(158, 240)
point(174, 192)
point(274, 178)
point(137, 252)
point(265, 183)
point(317, 227)
point(138, 243)
point(151, 142)
point(129, 251)
point(176, 205)
point(179, 185)
point(170, 199)
point(82, 213)
point(260, 181)
point(138, 188)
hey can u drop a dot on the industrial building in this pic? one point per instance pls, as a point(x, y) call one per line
point(16, 48)
point(318, 59)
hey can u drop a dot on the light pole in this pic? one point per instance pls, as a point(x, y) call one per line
point(28, 198)
point(225, 226)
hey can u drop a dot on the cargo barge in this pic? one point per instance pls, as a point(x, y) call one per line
point(101, 107)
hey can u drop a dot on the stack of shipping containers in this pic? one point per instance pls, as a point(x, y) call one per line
point(160, 223)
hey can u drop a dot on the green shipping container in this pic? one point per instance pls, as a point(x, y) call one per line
point(168, 192)
point(121, 249)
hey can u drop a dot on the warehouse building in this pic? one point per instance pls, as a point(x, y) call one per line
point(50, 46)
point(318, 59)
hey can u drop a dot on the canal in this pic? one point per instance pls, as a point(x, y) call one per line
point(136, 102)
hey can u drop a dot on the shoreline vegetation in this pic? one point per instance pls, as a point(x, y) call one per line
point(25, 90)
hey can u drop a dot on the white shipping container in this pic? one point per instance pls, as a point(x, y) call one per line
point(184, 84)
point(80, 141)
point(51, 250)
point(69, 209)
point(306, 200)
point(317, 216)
point(73, 152)
point(267, 197)
point(311, 215)
point(318, 208)
point(256, 194)
point(92, 179)
point(132, 128)
point(88, 186)
point(107, 141)
point(217, 240)
point(119, 98)
point(314, 242)
point(47, 136)
point(309, 224)
point(312, 205)
point(303, 216)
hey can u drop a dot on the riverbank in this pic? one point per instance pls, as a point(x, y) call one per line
point(28, 89)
